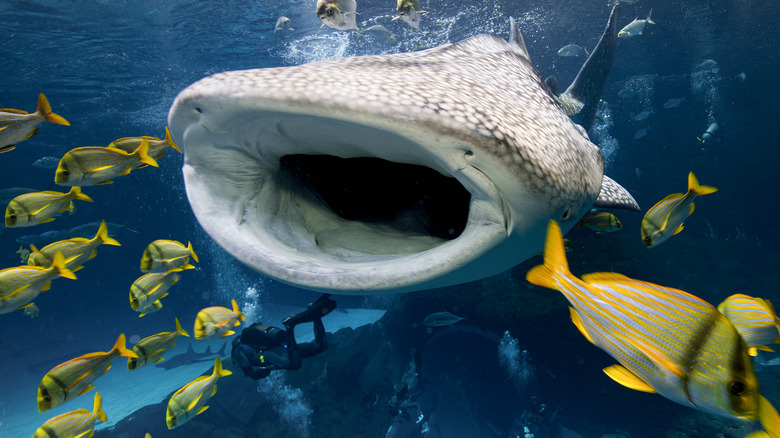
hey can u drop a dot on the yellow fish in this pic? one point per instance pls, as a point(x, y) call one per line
point(601, 222)
point(76, 250)
point(164, 255)
point(92, 165)
point(71, 379)
point(146, 291)
point(150, 349)
point(75, 424)
point(17, 125)
point(665, 219)
point(666, 340)
point(156, 146)
point(191, 399)
point(40, 207)
point(20, 285)
point(217, 322)
point(755, 320)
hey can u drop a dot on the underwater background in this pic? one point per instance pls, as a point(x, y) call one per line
point(113, 69)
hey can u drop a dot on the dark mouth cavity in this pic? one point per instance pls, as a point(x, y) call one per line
point(407, 197)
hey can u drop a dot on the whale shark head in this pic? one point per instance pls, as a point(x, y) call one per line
point(385, 174)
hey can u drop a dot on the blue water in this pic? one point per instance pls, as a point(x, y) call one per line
point(113, 68)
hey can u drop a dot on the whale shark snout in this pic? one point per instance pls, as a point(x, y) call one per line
point(391, 173)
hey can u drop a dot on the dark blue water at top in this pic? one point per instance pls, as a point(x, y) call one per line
point(113, 68)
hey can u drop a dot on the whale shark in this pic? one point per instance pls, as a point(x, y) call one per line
point(392, 173)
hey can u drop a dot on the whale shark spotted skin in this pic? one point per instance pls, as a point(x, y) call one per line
point(391, 173)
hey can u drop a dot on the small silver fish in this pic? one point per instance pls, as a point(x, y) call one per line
point(409, 11)
point(635, 27)
point(640, 133)
point(674, 102)
point(380, 33)
point(644, 115)
point(282, 23)
point(46, 163)
point(571, 50)
point(439, 319)
point(338, 14)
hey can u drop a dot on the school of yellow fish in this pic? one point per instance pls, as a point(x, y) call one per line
point(665, 340)
point(161, 262)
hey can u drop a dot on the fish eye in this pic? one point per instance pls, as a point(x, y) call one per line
point(65, 172)
point(737, 388)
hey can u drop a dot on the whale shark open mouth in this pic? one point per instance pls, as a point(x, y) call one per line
point(334, 205)
point(390, 173)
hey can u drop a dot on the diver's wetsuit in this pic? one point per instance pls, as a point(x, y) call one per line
point(261, 349)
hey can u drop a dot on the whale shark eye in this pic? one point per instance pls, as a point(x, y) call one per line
point(566, 215)
point(737, 388)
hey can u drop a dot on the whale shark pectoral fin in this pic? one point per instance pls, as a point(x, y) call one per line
point(613, 195)
point(589, 83)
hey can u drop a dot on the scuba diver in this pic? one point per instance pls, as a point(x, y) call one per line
point(406, 411)
point(261, 349)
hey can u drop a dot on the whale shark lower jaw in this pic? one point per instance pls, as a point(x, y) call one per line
point(385, 174)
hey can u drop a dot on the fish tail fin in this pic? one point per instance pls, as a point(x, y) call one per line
point(180, 330)
point(98, 409)
point(143, 154)
point(698, 190)
point(192, 252)
point(121, 349)
point(102, 235)
point(235, 309)
point(218, 371)
point(75, 191)
point(44, 109)
point(169, 140)
point(555, 263)
point(648, 20)
point(58, 264)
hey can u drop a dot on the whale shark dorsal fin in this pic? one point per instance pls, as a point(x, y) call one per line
point(589, 83)
point(516, 38)
point(190, 349)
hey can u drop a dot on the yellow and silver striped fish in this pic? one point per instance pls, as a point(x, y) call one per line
point(76, 250)
point(148, 289)
point(20, 285)
point(74, 424)
point(40, 207)
point(665, 340)
point(191, 399)
point(150, 349)
point(71, 379)
point(217, 322)
point(665, 219)
point(157, 146)
point(755, 320)
point(17, 125)
point(93, 165)
point(163, 255)
point(600, 222)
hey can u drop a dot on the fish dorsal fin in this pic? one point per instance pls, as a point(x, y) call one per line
point(623, 376)
point(575, 318)
point(516, 38)
point(603, 277)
